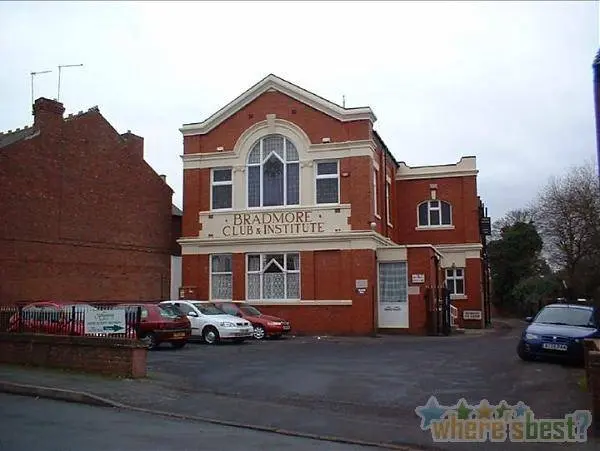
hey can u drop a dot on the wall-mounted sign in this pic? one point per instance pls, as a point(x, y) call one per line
point(274, 223)
point(418, 278)
point(485, 225)
point(361, 285)
point(472, 314)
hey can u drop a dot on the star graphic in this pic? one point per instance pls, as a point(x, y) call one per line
point(502, 409)
point(430, 412)
point(520, 409)
point(463, 410)
point(484, 410)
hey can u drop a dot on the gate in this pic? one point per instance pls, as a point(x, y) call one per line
point(441, 313)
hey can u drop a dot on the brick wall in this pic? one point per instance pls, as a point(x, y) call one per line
point(83, 215)
point(460, 192)
point(592, 367)
point(114, 357)
point(315, 124)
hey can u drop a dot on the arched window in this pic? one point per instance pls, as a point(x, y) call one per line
point(273, 173)
point(435, 213)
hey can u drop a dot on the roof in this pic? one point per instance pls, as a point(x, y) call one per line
point(17, 135)
point(175, 211)
point(274, 83)
point(579, 306)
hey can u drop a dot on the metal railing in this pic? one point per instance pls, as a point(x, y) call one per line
point(69, 319)
point(453, 315)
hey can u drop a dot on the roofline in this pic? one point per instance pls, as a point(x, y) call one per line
point(273, 82)
point(385, 147)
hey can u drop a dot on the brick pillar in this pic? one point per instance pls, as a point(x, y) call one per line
point(592, 368)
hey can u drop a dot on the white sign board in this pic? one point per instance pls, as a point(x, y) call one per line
point(361, 283)
point(105, 321)
point(418, 278)
point(472, 314)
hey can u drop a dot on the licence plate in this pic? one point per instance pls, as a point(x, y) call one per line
point(554, 346)
point(179, 335)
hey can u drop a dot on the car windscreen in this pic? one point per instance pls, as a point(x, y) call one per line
point(169, 312)
point(250, 311)
point(208, 309)
point(565, 316)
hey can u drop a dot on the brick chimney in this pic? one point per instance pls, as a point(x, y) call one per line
point(134, 144)
point(596, 68)
point(47, 113)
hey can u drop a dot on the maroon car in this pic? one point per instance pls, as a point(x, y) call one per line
point(264, 325)
point(161, 324)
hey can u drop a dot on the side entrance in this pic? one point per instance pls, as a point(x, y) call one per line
point(392, 298)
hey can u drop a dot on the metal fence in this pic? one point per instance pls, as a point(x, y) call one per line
point(70, 319)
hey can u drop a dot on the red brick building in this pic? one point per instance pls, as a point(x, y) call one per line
point(295, 204)
point(84, 217)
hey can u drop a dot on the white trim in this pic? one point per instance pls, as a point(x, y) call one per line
point(269, 83)
point(317, 302)
point(225, 183)
point(263, 263)
point(210, 274)
point(324, 177)
point(339, 240)
point(375, 200)
point(388, 200)
point(441, 225)
point(422, 228)
point(459, 297)
point(460, 247)
point(467, 166)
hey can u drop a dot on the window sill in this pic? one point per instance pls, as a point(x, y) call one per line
point(446, 227)
point(458, 297)
point(318, 302)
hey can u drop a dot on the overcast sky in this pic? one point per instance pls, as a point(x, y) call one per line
point(509, 82)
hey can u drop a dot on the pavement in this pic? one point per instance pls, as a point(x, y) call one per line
point(78, 427)
point(352, 390)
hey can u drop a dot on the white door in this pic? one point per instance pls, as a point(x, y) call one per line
point(393, 295)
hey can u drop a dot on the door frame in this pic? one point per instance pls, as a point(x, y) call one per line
point(377, 298)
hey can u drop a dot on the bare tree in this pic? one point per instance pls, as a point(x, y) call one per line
point(567, 214)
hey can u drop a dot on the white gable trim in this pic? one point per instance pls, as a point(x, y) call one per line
point(272, 82)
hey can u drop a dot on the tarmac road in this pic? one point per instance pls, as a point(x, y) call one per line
point(46, 425)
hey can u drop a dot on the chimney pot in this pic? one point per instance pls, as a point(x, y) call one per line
point(47, 113)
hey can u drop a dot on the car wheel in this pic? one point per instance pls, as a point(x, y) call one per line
point(523, 354)
point(259, 332)
point(150, 341)
point(210, 335)
point(178, 344)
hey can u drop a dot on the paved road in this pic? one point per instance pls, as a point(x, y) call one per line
point(390, 375)
point(45, 425)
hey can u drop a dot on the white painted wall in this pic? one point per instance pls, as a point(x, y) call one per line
point(175, 276)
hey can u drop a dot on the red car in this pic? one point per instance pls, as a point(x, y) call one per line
point(47, 317)
point(160, 324)
point(264, 325)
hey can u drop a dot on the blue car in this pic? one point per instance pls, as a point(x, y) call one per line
point(558, 331)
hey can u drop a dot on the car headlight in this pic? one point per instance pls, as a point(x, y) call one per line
point(577, 340)
point(529, 336)
point(227, 325)
point(273, 323)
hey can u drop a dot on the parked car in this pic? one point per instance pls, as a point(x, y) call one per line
point(264, 325)
point(211, 323)
point(160, 324)
point(558, 331)
point(47, 317)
